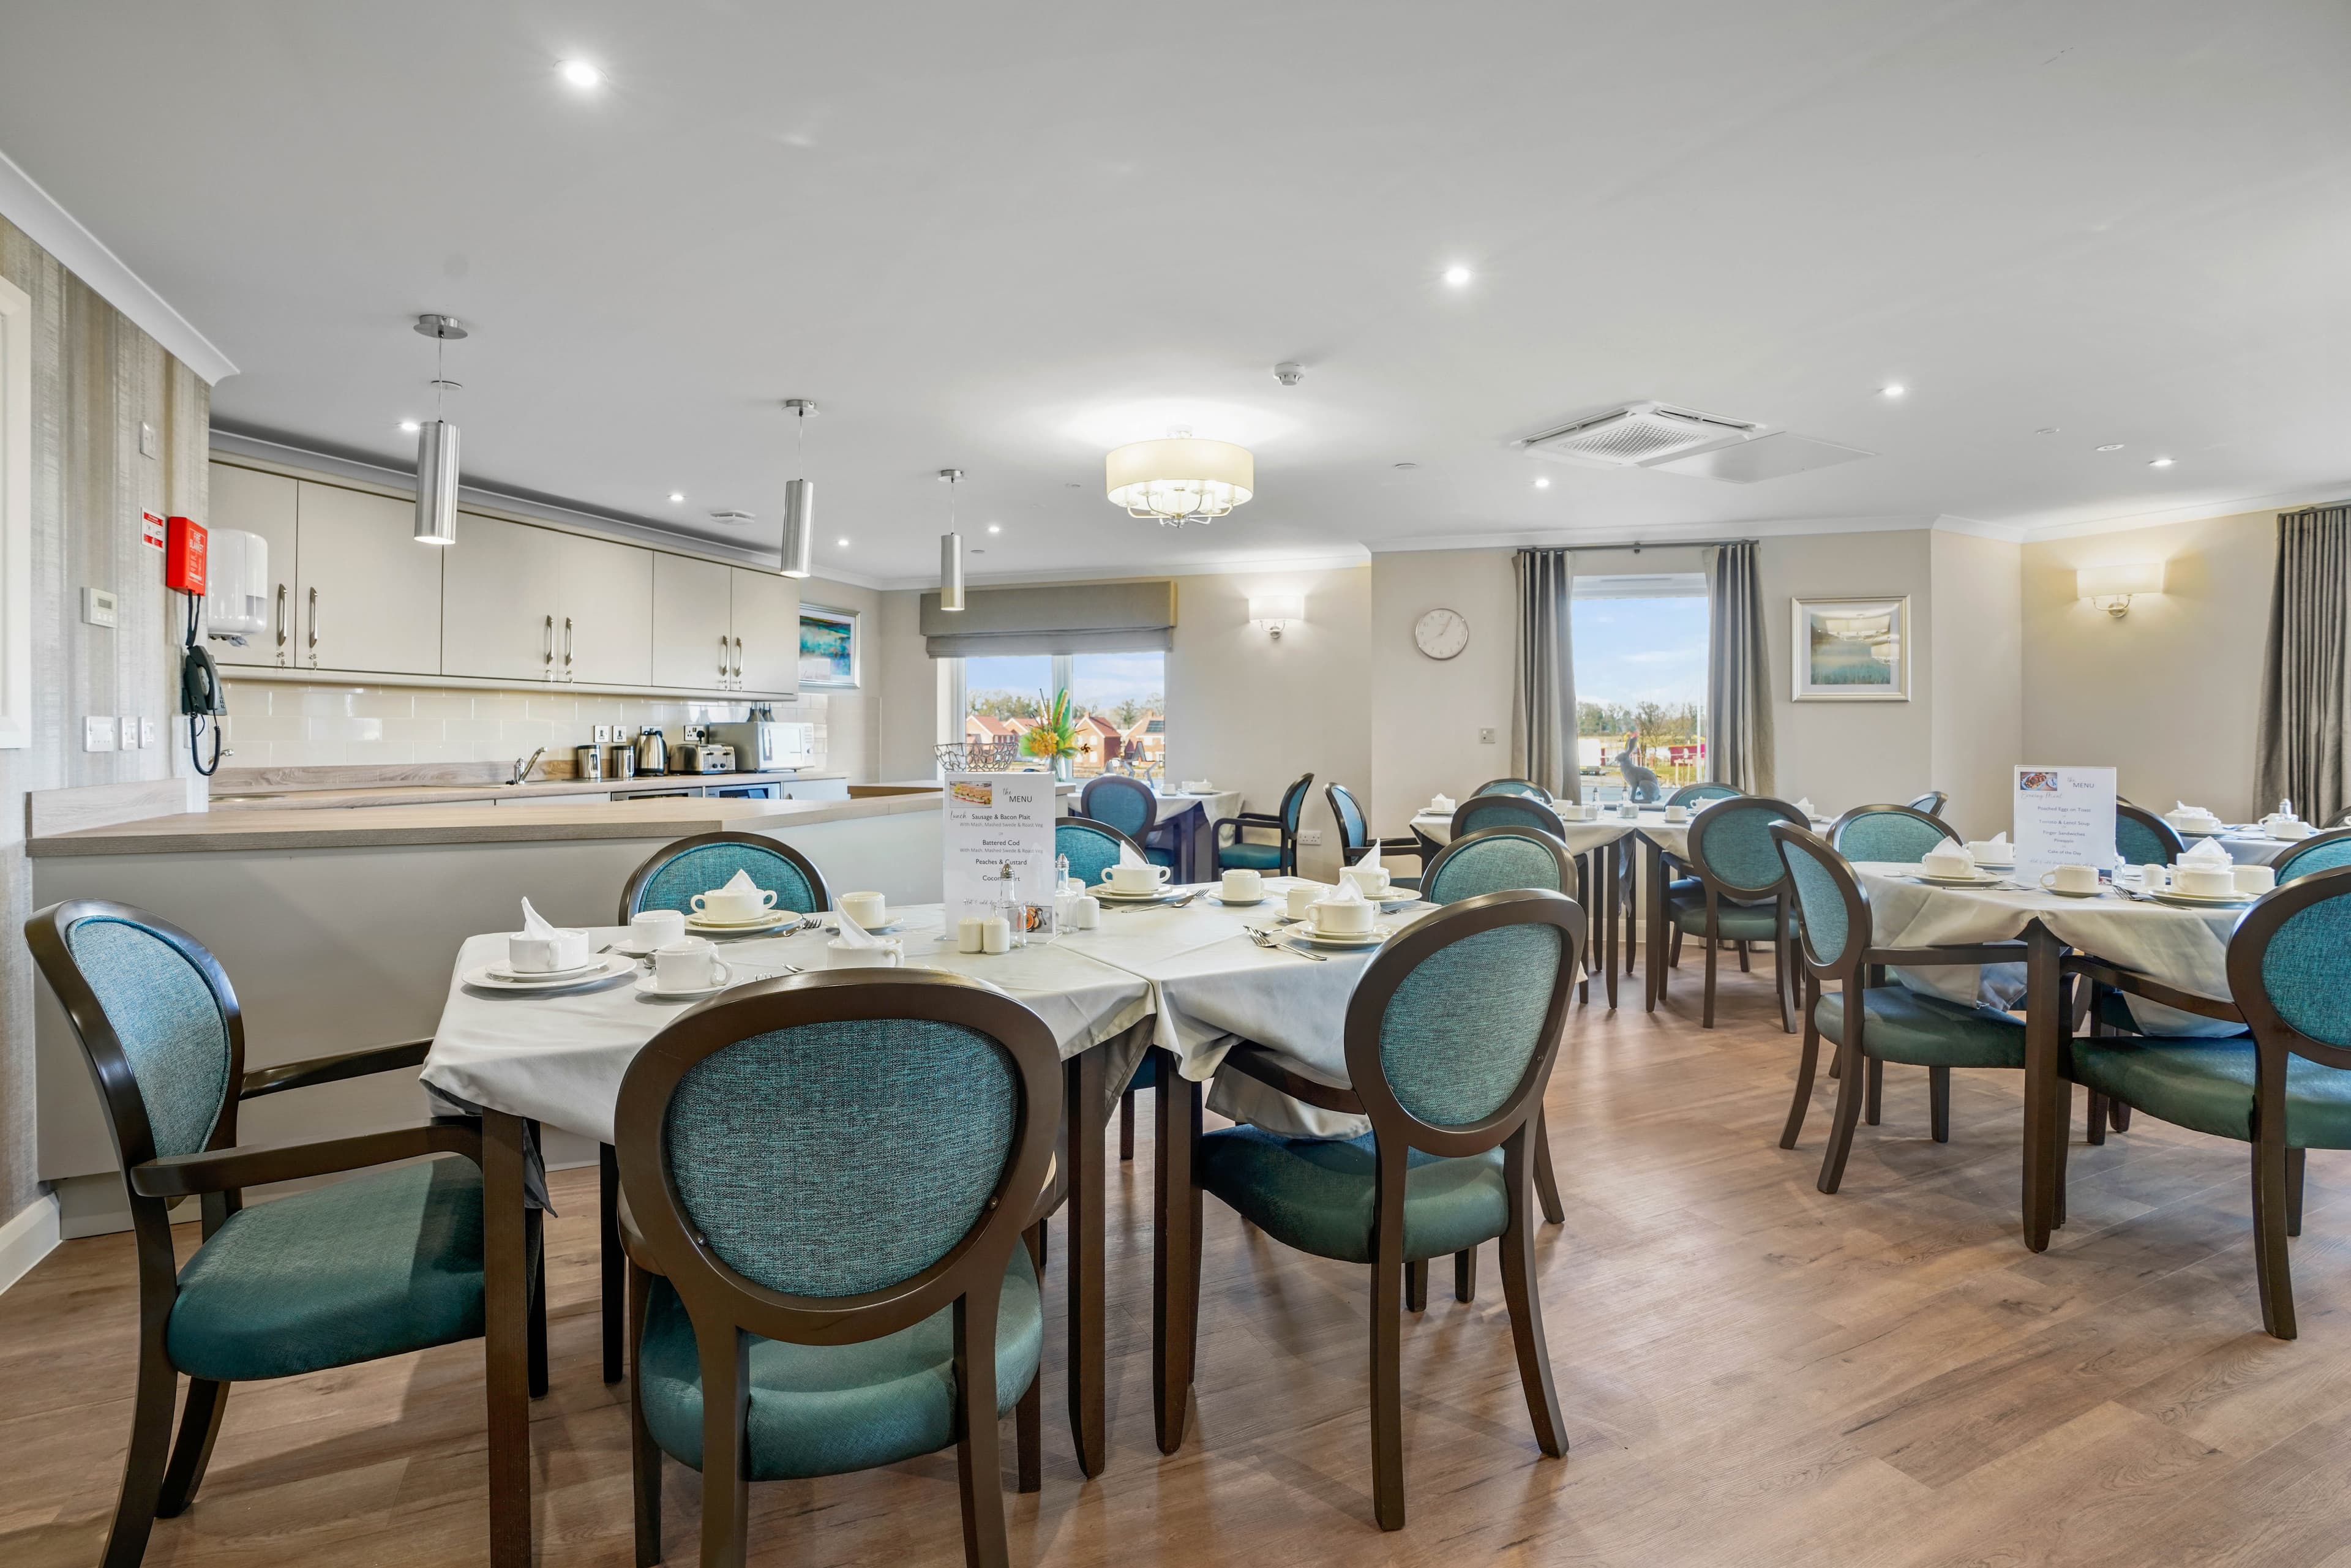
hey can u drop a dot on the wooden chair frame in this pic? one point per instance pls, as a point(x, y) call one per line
point(1836, 829)
point(725, 1307)
point(1857, 968)
point(160, 1477)
point(1333, 792)
point(1396, 1132)
point(1524, 810)
point(1277, 823)
point(1703, 822)
point(2283, 865)
point(1931, 803)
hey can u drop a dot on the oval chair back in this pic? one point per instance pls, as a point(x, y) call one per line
point(1091, 847)
point(1355, 827)
point(2320, 851)
point(1515, 787)
point(1126, 804)
point(1901, 833)
point(1512, 855)
point(1931, 802)
point(2142, 838)
point(1699, 794)
point(1731, 851)
point(767, 1145)
point(673, 874)
point(1481, 811)
point(1293, 803)
point(1832, 910)
point(1283, 824)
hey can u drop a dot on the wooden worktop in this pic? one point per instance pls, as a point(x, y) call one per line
point(312, 799)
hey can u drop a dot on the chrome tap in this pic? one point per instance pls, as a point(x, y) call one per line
point(522, 769)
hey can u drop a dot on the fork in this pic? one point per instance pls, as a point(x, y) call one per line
point(1272, 944)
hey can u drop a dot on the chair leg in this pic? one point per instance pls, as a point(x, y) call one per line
point(726, 1450)
point(1126, 1124)
point(2294, 1162)
point(2271, 1264)
point(1546, 1181)
point(1464, 1274)
point(1807, 1060)
point(1938, 1103)
point(143, 1468)
point(537, 1341)
point(1387, 1396)
point(1674, 954)
point(200, 1424)
point(2120, 1113)
point(1876, 1092)
point(1526, 1309)
point(644, 1454)
point(2097, 1118)
point(613, 1265)
point(1028, 1416)
point(1746, 965)
point(1706, 1015)
point(1416, 1285)
point(1784, 978)
point(1841, 1124)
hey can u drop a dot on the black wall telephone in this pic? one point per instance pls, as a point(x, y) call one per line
point(201, 698)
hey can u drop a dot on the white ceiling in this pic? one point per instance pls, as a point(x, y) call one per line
point(1006, 237)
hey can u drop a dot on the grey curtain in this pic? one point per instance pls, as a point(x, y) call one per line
point(1738, 677)
point(1543, 682)
point(2303, 673)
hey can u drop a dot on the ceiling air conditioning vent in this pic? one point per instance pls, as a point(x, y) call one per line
point(1639, 435)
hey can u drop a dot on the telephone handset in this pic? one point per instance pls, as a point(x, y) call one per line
point(200, 683)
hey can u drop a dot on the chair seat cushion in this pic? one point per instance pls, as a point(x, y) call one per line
point(1250, 855)
point(1741, 922)
point(2114, 1012)
point(1157, 856)
point(1317, 1194)
point(1927, 1031)
point(2208, 1085)
point(825, 1410)
point(373, 1266)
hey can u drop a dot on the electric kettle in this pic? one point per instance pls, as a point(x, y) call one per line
point(653, 752)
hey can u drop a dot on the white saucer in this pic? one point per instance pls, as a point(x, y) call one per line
point(1305, 932)
point(1103, 891)
point(2211, 832)
point(651, 985)
point(2061, 893)
point(1235, 902)
point(2201, 900)
point(506, 975)
point(1979, 880)
point(759, 927)
point(605, 969)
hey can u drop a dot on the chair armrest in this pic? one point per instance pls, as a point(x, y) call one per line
point(1244, 819)
point(1416, 847)
point(253, 1164)
point(2153, 990)
point(332, 1069)
point(1251, 1060)
point(1959, 953)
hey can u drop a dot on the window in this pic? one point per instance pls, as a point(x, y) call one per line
point(1640, 645)
point(1117, 701)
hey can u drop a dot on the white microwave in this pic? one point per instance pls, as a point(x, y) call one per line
point(765, 745)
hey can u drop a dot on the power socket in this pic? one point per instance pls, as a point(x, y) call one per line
point(1312, 838)
point(97, 732)
point(1486, 737)
point(603, 735)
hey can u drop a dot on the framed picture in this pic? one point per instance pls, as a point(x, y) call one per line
point(1851, 650)
point(830, 646)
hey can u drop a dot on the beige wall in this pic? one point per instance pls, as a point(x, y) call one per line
point(1976, 713)
point(909, 724)
point(2170, 695)
point(1428, 714)
point(96, 379)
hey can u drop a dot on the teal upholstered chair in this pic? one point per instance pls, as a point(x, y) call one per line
point(1128, 805)
point(1483, 811)
point(2320, 851)
point(1699, 794)
point(1449, 1039)
point(1279, 858)
point(374, 1265)
point(1740, 893)
point(2142, 838)
point(826, 1180)
point(2283, 1088)
point(1092, 848)
point(1526, 786)
point(1901, 833)
point(1931, 802)
point(1355, 833)
point(669, 879)
point(1869, 1021)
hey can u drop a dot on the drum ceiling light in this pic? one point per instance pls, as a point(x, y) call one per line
point(1180, 479)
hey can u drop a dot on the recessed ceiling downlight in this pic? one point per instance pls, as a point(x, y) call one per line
point(1456, 276)
point(2160, 463)
point(2112, 446)
point(580, 73)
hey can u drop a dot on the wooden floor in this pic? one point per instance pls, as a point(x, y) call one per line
point(1751, 1374)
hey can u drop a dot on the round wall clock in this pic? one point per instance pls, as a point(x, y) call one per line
point(1441, 634)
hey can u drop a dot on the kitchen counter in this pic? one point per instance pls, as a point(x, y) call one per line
point(457, 794)
point(476, 819)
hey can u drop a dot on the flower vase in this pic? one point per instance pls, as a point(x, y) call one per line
point(1062, 767)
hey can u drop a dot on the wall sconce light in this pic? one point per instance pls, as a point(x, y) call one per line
point(1273, 610)
point(2110, 588)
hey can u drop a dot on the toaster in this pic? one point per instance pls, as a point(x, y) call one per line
point(701, 757)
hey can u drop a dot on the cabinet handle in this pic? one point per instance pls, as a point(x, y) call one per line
point(722, 659)
point(739, 660)
point(282, 633)
point(547, 648)
point(314, 629)
point(567, 647)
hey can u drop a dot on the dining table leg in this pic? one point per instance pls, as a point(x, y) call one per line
point(1175, 1250)
point(1654, 914)
point(1603, 861)
point(2047, 1097)
point(1088, 1109)
point(505, 1335)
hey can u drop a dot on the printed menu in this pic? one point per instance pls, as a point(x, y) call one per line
point(2064, 815)
point(997, 823)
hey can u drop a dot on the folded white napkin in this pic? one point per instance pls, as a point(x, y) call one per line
point(2207, 852)
point(851, 933)
point(1371, 860)
point(1440, 803)
point(1347, 892)
point(1198, 787)
point(1995, 847)
point(1128, 857)
point(1808, 808)
point(533, 924)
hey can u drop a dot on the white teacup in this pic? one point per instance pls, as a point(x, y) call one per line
point(726, 906)
point(2292, 828)
point(1576, 811)
point(868, 909)
point(1987, 852)
point(1630, 811)
point(545, 954)
point(2154, 877)
point(1677, 813)
point(2206, 881)
point(651, 928)
point(1341, 917)
point(1300, 898)
point(688, 964)
point(1241, 885)
point(1949, 860)
point(2071, 878)
point(2252, 881)
point(1371, 881)
point(885, 953)
point(1138, 878)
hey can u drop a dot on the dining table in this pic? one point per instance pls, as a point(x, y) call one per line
point(1179, 982)
point(1187, 820)
point(1595, 846)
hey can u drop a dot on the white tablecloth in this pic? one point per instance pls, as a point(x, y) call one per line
point(1218, 804)
point(559, 1059)
point(1671, 837)
point(2253, 848)
point(2185, 948)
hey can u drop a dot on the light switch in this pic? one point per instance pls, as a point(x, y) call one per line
point(1486, 737)
point(146, 732)
point(97, 607)
point(98, 733)
point(129, 731)
point(150, 443)
point(603, 735)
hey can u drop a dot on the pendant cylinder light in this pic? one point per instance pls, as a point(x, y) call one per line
point(950, 550)
point(799, 504)
point(436, 483)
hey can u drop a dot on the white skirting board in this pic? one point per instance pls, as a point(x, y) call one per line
point(27, 1239)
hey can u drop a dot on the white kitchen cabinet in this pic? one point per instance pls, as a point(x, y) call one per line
point(368, 596)
point(767, 631)
point(605, 612)
point(817, 789)
point(501, 589)
point(692, 625)
point(261, 503)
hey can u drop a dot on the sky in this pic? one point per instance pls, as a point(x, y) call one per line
point(1096, 680)
point(1634, 650)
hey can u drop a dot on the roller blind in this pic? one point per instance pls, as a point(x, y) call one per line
point(1061, 617)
